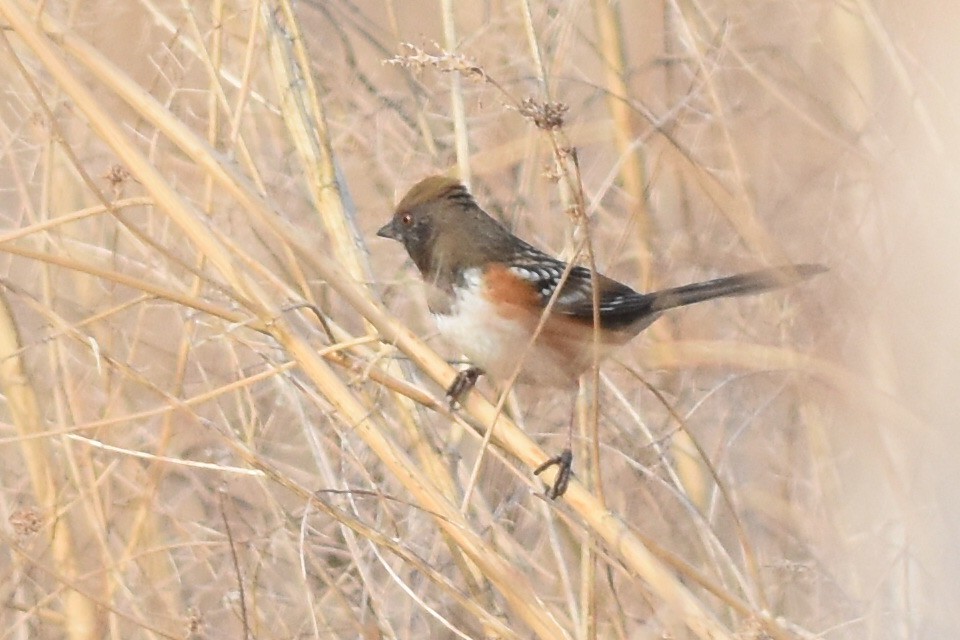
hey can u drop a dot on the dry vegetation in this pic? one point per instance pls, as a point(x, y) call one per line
point(223, 412)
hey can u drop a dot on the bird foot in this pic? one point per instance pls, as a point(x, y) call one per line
point(465, 381)
point(564, 464)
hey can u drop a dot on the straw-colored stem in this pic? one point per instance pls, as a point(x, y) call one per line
point(81, 617)
point(457, 109)
point(632, 170)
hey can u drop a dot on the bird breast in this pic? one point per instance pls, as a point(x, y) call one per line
point(495, 336)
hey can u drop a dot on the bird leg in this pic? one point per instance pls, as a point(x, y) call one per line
point(465, 381)
point(564, 464)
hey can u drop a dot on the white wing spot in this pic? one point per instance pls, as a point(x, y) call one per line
point(525, 273)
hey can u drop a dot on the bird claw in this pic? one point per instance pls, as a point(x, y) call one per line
point(564, 464)
point(465, 381)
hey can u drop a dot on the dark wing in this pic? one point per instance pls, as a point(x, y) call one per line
point(619, 305)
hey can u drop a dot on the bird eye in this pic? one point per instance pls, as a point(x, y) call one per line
point(406, 219)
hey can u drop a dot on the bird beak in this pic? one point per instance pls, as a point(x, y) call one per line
point(389, 230)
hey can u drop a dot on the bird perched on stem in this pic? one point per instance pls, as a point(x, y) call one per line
point(489, 291)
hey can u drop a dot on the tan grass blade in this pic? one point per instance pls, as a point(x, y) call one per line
point(81, 618)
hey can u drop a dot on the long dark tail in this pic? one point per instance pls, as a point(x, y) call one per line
point(739, 285)
point(639, 310)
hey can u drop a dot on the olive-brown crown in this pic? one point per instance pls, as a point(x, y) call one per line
point(444, 229)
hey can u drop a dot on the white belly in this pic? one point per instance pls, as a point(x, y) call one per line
point(490, 341)
point(499, 345)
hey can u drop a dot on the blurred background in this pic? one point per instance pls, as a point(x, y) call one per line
point(173, 466)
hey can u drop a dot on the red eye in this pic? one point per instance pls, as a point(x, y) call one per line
point(406, 219)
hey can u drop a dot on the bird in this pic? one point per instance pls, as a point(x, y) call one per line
point(488, 291)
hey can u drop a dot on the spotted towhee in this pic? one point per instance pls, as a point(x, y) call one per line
point(488, 291)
